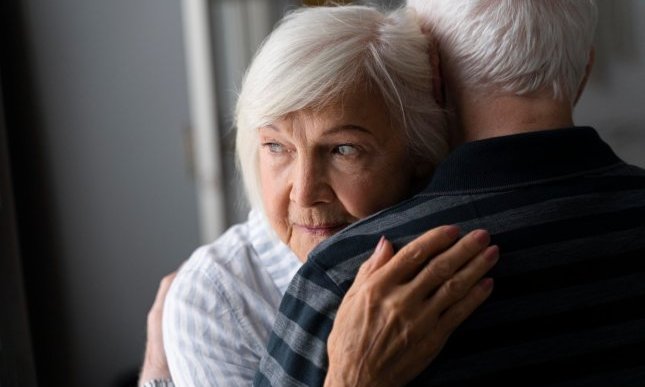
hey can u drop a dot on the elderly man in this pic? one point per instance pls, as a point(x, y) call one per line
point(566, 212)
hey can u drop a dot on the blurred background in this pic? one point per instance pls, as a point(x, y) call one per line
point(116, 161)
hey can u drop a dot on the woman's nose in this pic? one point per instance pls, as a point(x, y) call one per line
point(309, 183)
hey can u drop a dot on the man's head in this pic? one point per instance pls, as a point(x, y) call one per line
point(512, 48)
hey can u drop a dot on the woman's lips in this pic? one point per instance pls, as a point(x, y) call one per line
point(321, 230)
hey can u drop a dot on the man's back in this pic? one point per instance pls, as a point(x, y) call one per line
point(569, 218)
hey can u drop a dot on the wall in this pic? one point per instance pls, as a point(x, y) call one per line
point(615, 96)
point(109, 80)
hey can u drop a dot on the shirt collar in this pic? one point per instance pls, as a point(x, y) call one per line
point(521, 159)
point(276, 257)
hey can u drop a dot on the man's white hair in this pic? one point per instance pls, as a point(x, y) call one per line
point(317, 55)
point(516, 46)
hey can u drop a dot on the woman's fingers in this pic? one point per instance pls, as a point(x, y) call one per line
point(457, 287)
point(440, 271)
point(457, 313)
point(412, 257)
point(402, 307)
point(382, 254)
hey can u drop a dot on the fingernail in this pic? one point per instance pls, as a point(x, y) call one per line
point(452, 231)
point(486, 283)
point(482, 237)
point(380, 244)
point(492, 254)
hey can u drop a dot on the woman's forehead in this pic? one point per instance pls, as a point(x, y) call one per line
point(357, 104)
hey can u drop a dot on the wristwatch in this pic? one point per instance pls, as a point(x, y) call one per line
point(158, 383)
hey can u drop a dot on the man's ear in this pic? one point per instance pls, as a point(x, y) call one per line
point(437, 79)
point(590, 62)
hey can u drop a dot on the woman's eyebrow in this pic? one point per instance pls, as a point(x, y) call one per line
point(269, 126)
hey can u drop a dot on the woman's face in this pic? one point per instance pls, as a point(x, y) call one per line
point(321, 171)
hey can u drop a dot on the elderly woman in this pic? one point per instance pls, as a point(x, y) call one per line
point(335, 121)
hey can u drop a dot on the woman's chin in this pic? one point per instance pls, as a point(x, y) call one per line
point(304, 246)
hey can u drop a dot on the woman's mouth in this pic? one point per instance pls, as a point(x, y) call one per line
point(324, 230)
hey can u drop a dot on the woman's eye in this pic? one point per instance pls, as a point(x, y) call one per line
point(346, 150)
point(274, 147)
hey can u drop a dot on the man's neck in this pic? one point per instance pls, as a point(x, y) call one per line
point(484, 117)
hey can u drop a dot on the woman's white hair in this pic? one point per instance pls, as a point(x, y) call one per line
point(317, 55)
point(518, 46)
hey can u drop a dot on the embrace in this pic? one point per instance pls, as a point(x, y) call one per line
point(424, 212)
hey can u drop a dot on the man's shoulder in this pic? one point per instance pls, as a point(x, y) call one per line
point(359, 235)
point(631, 170)
point(340, 256)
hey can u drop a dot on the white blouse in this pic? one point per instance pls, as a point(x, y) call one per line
point(220, 308)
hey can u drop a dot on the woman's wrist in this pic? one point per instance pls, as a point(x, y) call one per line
point(157, 383)
point(153, 372)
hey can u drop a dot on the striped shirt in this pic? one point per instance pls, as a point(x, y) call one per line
point(568, 308)
point(221, 306)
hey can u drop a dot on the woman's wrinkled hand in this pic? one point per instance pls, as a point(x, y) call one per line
point(402, 307)
point(155, 364)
